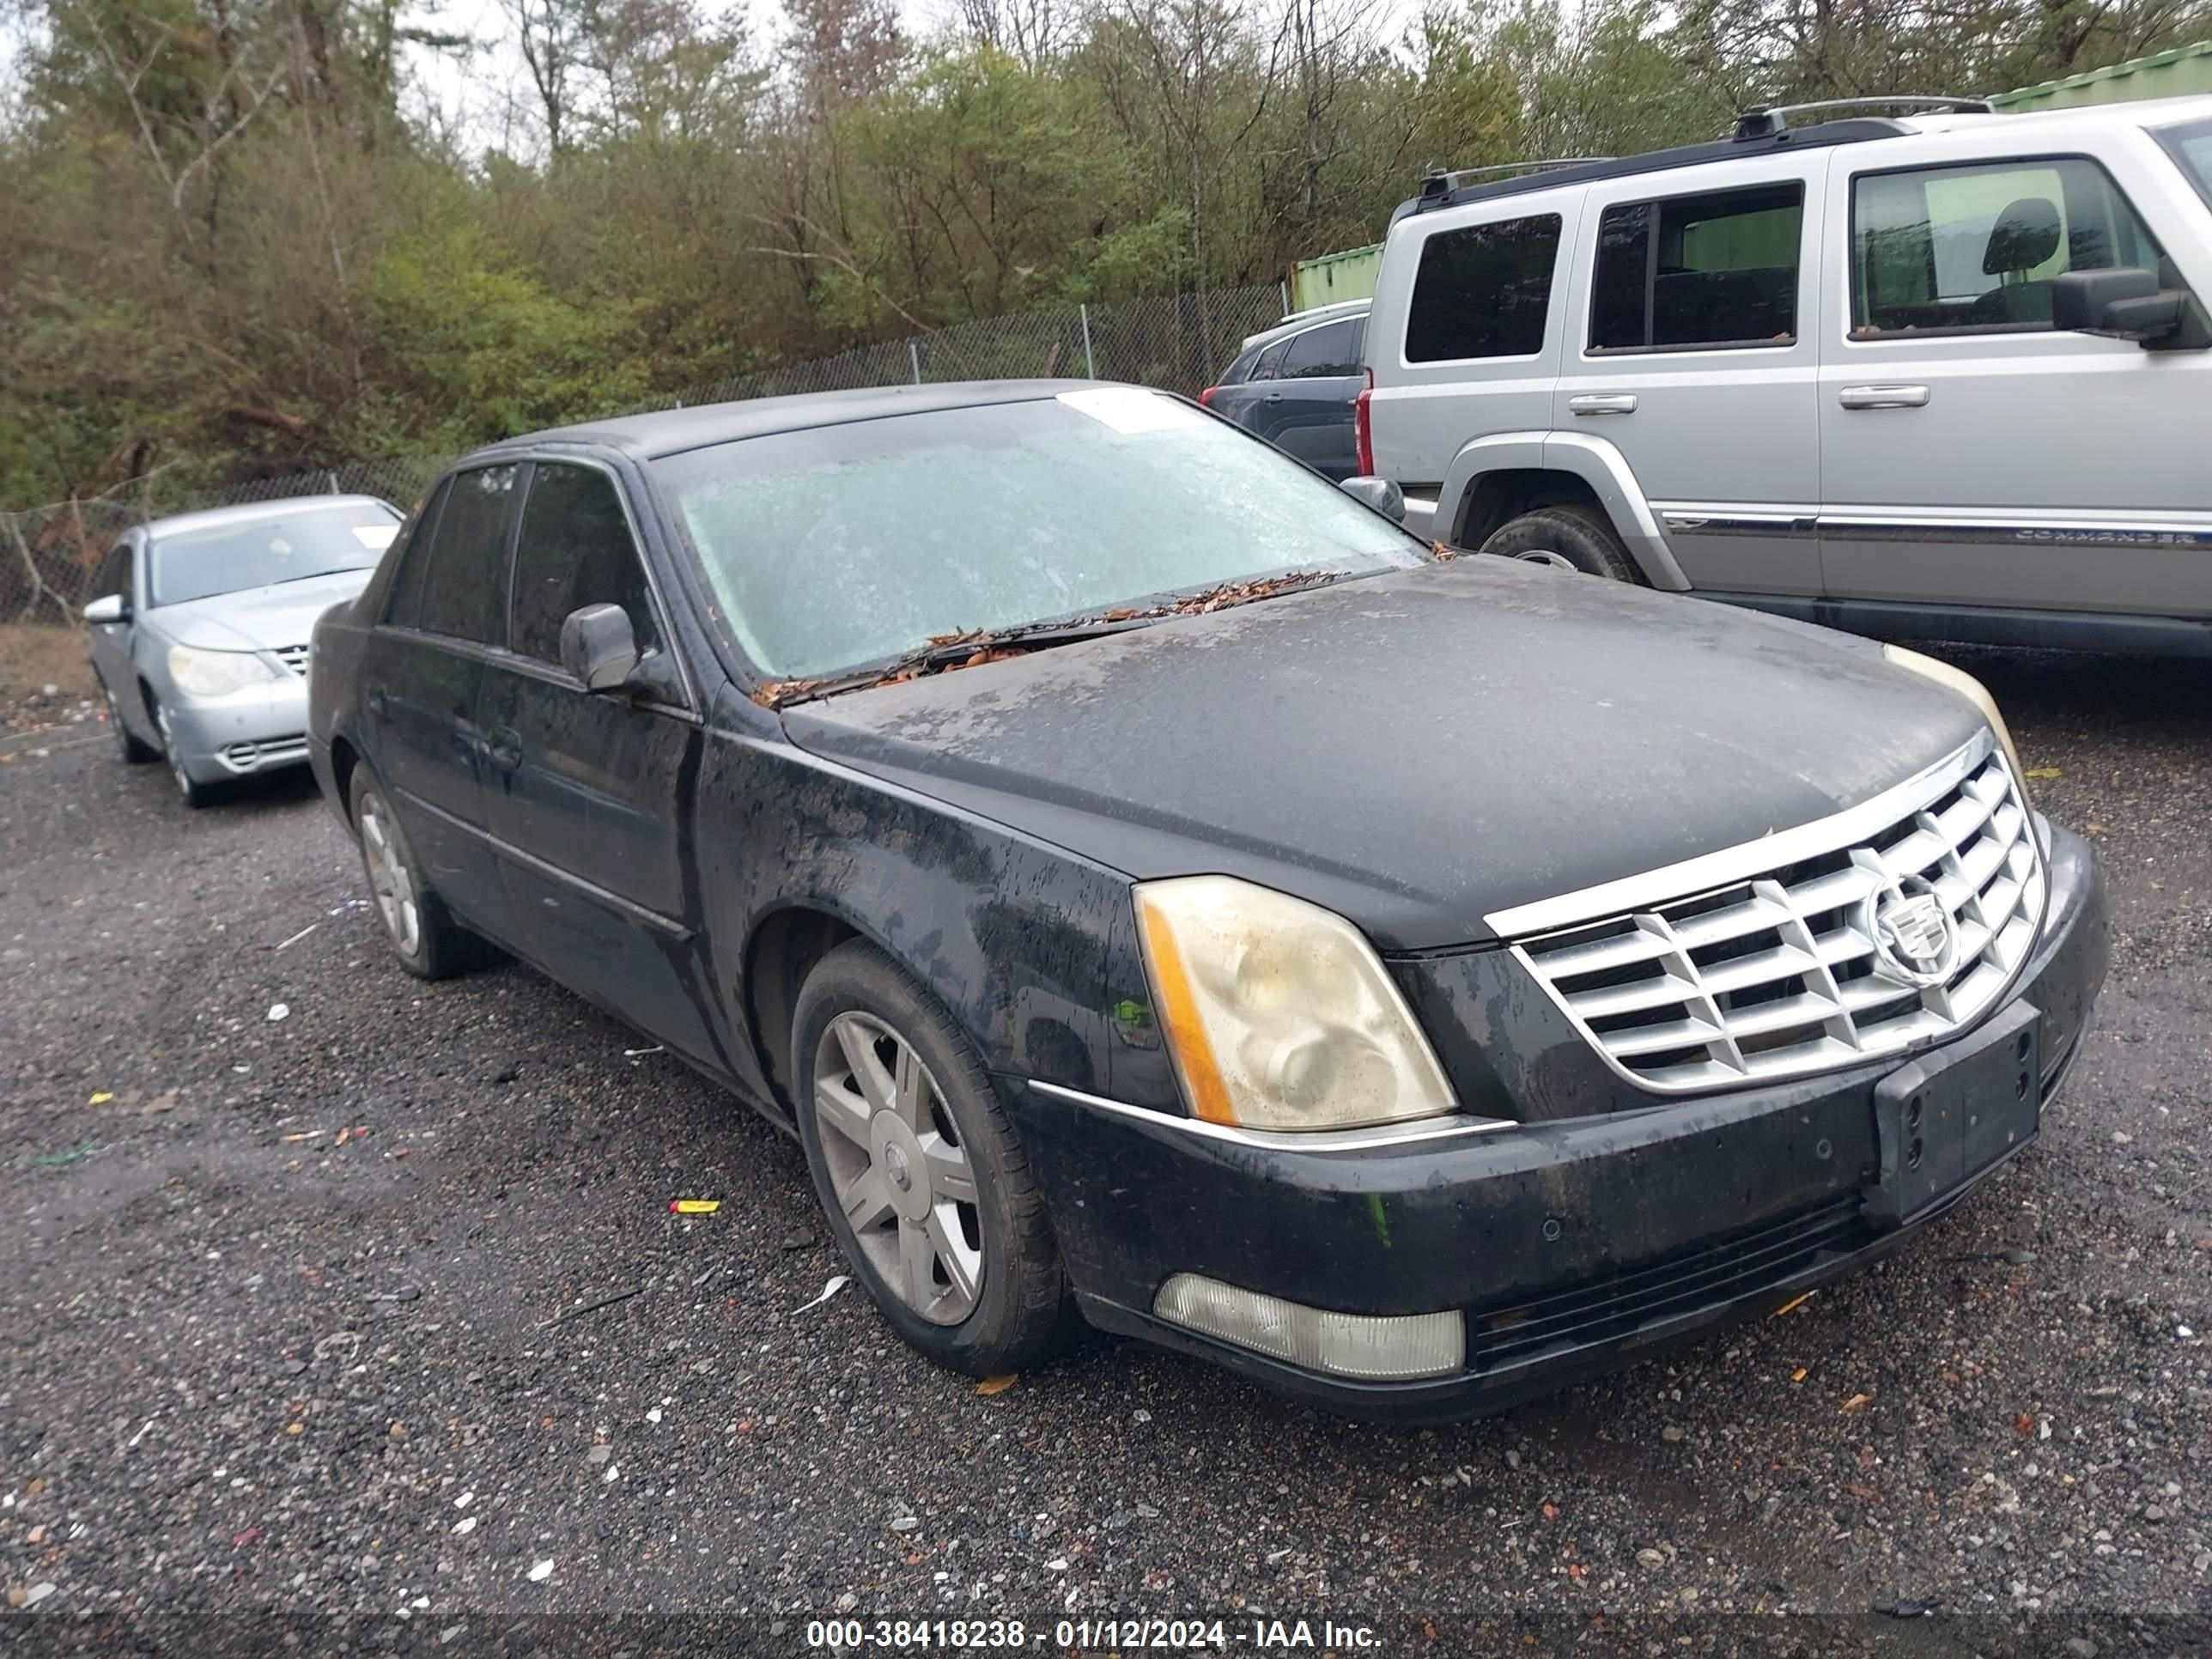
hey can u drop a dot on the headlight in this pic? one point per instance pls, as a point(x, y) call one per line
point(214, 674)
point(1277, 1013)
point(1958, 680)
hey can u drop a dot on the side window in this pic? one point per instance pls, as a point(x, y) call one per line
point(115, 574)
point(1693, 272)
point(464, 592)
point(1483, 291)
point(405, 608)
point(1270, 361)
point(1976, 247)
point(1332, 349)
point(574, 550)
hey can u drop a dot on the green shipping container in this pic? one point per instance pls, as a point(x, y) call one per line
point(1333, 277)
point(2172, 74)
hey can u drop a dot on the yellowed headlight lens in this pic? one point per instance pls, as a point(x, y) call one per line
point(1277, 1013)
point(1958, 680)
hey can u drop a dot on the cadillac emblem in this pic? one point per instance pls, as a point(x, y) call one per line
point(1913, 937)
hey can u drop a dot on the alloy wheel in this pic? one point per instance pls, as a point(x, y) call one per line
point(897, 1165)
point(1545, 555)
point(392, 883)
point(185, 786)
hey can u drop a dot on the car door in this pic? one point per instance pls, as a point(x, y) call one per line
point(583, 790)
point(1242, 394)
point(1306, 408)
point(1693, 353)
point(108, 644)
point(422, 673)
point(1970, 453)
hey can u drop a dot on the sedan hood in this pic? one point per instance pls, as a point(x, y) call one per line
point(258, 618)
point(1413, 750)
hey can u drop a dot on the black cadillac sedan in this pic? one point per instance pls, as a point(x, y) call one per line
point(1157, 891)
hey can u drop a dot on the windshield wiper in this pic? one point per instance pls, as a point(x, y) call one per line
point(943, 653)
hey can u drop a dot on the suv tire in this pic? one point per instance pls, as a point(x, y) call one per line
point(1015, 1307)
point(1567, 538)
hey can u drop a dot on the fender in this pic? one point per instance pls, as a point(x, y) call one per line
point(1596, 462)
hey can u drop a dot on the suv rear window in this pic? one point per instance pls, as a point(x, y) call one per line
point(1695, 272)
point(1483, 291)
point(1976, 247)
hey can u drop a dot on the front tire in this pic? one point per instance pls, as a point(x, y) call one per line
point(1566, 538)
point(136, 751)
point(189, 790)
point(429, 942)
point(919, 1173)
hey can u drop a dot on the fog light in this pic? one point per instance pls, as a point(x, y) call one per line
point(1363, 1346)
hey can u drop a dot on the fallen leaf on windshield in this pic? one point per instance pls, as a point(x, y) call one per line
point(1002, 654)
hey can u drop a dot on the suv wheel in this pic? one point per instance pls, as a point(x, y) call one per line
point(1566, 538)
point(919, 1173)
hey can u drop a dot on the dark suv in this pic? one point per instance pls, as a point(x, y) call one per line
point(1298, 383)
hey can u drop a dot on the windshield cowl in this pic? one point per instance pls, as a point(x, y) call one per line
point(945, 654)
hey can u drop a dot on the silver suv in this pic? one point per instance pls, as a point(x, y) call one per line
point(1941, 375)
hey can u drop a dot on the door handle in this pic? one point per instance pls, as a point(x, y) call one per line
point(1883, 397)
point(1275, 397)
point(1603, 402)
point(377, 702)
point(506, 749)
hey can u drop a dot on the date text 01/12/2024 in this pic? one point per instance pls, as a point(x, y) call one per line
point(1086, 1635)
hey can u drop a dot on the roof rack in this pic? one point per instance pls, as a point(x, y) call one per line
point(1767, 120)
point(1443, 182)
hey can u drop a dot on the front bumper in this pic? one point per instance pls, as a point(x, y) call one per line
point(1572, 1246)
point(263, 728)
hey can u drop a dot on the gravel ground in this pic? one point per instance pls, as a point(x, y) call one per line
point(277, 1295)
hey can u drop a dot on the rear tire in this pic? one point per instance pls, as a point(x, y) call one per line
point(423, 935)
point(1566, 538)
point(904, 1137)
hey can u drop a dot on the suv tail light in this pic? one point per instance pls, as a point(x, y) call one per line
point(1205, 396)
point(1363, 426)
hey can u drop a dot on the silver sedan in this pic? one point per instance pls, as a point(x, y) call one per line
point(200, 632)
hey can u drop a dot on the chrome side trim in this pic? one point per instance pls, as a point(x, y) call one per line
point(1786, 522)
point(1381, 1137)
point(1752, 857)
point(1901, 525)
point(1879, 526)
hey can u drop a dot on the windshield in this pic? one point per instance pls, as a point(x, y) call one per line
point(2192, 146)
point(840, 546)
point(290, 546)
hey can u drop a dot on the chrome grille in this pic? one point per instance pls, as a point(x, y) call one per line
point(1781, 972)
point(294, 657)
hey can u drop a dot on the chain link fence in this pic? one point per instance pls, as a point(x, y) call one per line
point(49, 557)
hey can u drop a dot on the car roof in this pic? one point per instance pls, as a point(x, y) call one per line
point(673, 431)
point(214, 518)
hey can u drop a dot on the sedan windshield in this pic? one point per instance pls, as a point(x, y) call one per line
point(836, 547)
point(284, 547)
point(2192, 146)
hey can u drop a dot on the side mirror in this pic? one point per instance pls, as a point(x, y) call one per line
point(2125, 302)
point(114, 608)
point(1381, 493)
point(598, 646)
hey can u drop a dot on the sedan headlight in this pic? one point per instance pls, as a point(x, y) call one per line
point(1958, 680)
point(1277, 1013)
point(215, 673)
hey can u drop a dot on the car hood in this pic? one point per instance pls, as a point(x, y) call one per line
point(1414, 751)
point(258, 618)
